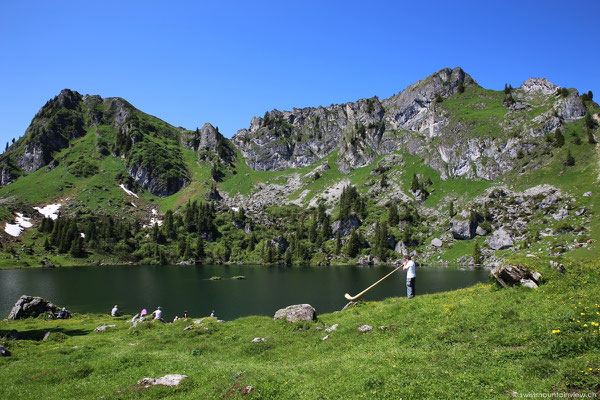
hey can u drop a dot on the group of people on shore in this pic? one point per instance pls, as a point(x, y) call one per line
point(157, 314)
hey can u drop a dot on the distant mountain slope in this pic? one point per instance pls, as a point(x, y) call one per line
point(151, 149)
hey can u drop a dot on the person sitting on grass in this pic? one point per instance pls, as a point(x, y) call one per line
point(115, 311)
point(157, 314)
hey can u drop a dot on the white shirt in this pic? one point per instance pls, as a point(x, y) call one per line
point(410, 269)
point(114, 312)
point(158, 314)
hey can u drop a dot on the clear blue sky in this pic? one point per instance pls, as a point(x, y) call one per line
point(224, 62)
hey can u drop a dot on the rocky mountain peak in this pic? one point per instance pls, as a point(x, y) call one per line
point(68, 99)
point(538, 85)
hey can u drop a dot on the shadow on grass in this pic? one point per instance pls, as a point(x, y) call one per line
point(38, 334)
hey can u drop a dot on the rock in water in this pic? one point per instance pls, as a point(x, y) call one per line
point(29, 306)
point(299, 312)
point(499, 240)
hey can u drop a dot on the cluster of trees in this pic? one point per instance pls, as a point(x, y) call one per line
point(350, 201)
point(421, 185)
point(199, 232)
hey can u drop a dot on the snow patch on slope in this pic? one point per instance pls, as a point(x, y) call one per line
point(49, 211)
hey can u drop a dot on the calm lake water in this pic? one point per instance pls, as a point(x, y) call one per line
point(179, 288)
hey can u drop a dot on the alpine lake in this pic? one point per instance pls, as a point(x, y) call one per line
point(232, 291)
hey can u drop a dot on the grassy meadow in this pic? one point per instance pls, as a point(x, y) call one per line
point(475, 343)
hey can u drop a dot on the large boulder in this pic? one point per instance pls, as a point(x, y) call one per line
point(299, 312)
point(345, 227)
point(401, 248)
point(463, 229)
point(499, 240)
point(511, 275)
point(29, 306)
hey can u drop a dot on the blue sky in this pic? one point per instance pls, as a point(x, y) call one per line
point(224, 62)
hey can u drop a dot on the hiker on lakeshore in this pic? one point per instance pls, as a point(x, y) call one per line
point(409, 267)
point(185, 314)
point(157, 313)
point(115, 311)
point(212, 313)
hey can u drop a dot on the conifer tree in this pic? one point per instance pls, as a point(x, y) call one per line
point(353, 245)
point(312, 231)
point(252, 241)
point(477, 254)
point(559, 139)
point(588, 121)
point(325, 228)
point(42, 227)
point(76, 249)
point(187, 253)
point(90, 234)
point(200, 253)
point(287, 257)
point(393, 218)
point(321, 212)
point(168, 229)
point(451, 209)
point(181, 246)
point(569, 160)
point(415, 185)
point(47, 245)
point(338, 243)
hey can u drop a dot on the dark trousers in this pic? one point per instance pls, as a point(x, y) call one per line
point(410, 288)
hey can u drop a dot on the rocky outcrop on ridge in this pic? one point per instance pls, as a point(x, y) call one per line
point(360, 130)
point(415, 120)
point(210, 145)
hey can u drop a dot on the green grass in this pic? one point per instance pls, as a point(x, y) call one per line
point(95, 191)
point(475, 343)
point(196, 190)
point(480, 109)
point(244, 179)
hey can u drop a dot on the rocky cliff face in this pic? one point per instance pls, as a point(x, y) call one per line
point(418, 121)
point(359, 130)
